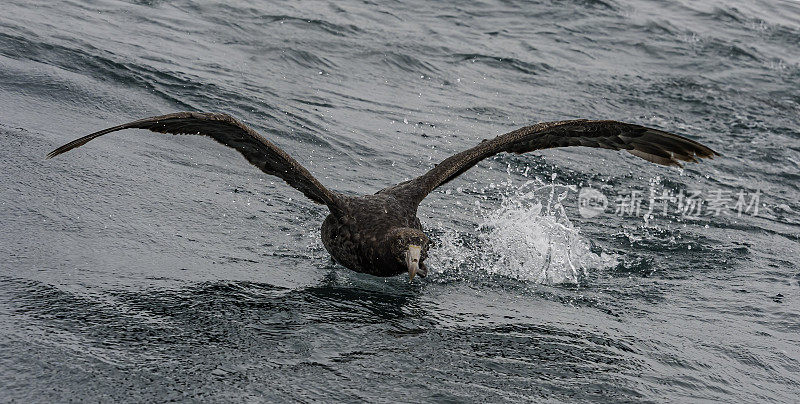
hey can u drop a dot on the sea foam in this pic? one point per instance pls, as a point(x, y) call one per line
point(529, 237)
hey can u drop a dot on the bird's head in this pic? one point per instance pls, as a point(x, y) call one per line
point(409, 248)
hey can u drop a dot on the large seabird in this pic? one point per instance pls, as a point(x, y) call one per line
point(380, 234)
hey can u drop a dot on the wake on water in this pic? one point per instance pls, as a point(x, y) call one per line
point(528, 238)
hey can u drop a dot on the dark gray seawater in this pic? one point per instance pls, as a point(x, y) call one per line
point(151, 268)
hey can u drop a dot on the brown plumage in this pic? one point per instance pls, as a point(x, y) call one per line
point(380, 234)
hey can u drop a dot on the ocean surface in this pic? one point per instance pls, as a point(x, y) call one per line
point(151, 268)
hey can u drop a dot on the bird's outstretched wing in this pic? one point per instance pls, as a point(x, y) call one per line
point(223, 128)
point(650, 144)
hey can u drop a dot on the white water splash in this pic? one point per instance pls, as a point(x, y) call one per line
point(529, 237)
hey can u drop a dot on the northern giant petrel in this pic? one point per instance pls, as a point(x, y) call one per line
point(380, 234)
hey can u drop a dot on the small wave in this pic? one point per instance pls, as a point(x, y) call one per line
point(507, 63)
point(322, 25)
point(402, 62)
point(731, 14)
point(529, 238)
point(305, 59)
point(104, 66)
point(596, 4)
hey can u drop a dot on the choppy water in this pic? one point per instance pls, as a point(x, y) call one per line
point(151, 268)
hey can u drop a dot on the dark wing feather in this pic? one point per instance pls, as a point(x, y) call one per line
point(650, 144)
point(223, 128)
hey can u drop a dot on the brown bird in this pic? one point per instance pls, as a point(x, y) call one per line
point(380, 234)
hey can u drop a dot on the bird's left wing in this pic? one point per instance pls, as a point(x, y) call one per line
point(225, 129)
point(650, 144)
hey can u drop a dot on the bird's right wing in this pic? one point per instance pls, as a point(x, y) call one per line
point(223, 128)
point(650, 144)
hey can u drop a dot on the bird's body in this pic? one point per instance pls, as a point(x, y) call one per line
point(380, 234)
point(356, 237)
